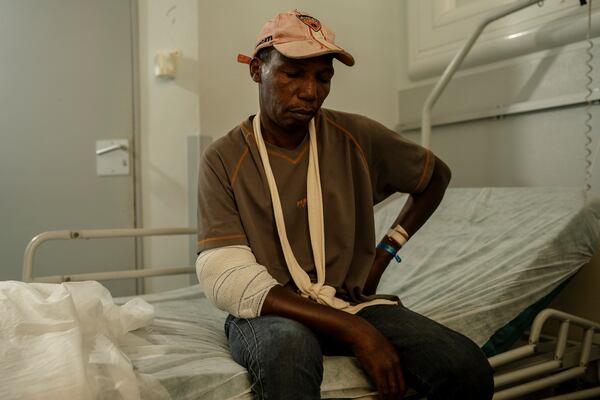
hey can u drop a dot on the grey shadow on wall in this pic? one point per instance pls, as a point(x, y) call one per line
point(187, 75)
point(555, 36)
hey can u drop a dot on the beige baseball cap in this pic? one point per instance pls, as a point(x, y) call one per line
point(298, 35)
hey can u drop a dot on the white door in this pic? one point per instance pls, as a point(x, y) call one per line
point(65, 83)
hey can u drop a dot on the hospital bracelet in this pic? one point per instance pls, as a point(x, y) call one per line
point(398, 234)
point(390, 249)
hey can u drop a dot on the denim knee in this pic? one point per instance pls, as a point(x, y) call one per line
point(468, 375)
point(437, 361)
point(292, 344)
point(283, 357)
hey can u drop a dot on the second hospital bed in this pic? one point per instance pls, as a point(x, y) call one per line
point(485, 264)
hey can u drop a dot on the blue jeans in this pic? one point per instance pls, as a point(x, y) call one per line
point(285, 358)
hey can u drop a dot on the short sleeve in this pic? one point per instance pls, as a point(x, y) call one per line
point(399, 165)
point(218, 217)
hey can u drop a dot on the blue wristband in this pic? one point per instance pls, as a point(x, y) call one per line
point(390, 249)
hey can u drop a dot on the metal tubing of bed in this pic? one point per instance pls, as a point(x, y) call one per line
point(586, 347)
point(511, 355)
point(544, 315)
point(567, 320)
point(455, 64)
point(526, 373)
point(561, 342)
point(546, 382)
point(592, 393)
point(34, 244)
point(113, 275)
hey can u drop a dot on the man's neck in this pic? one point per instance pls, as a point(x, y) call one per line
point(287, 138)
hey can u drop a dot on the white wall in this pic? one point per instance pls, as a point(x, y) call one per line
point(544, 147)
point(169, 114)
point(214, 93)
point(367, 29)
point(65, 84)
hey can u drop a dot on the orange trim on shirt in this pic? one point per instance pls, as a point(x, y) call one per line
point(359, 149)
point(245, 130)
point(237, 167)
point(274, 153)
point(286, 158)
point(425, 171)
point(230, 237)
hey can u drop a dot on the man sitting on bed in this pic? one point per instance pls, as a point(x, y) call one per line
point(286, 234)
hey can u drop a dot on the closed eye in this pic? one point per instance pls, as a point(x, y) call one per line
point(325, 78)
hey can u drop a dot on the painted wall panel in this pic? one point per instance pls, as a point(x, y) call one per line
point(437, 29)
point(66, 82)
point(555, 77)
point(169, 115)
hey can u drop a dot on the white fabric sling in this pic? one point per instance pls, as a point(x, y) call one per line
point(317, 291)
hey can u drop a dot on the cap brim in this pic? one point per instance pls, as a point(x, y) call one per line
point(313, 48)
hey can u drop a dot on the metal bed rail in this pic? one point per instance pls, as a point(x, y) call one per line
point(34, 244)
point(568, 359)
point(451, 69)
point(560, 368)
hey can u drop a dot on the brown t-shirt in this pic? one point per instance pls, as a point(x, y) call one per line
point(361, 163)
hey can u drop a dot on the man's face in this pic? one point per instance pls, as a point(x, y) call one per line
point(292, 91)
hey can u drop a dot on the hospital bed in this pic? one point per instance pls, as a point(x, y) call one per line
point(486, 264)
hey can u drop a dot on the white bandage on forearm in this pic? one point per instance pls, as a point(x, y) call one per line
point(233, 281)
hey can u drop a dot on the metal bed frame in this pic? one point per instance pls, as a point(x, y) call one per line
point(34, 244)
point(454, 65)
point(542, 363)
point(564, 364)
point(549, 360)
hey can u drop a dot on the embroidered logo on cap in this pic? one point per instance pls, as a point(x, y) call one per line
point(309, 21)
point(265, 40)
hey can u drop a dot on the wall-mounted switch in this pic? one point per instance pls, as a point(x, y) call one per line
point(165, 64)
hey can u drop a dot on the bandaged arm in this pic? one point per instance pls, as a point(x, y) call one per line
point(233, 281)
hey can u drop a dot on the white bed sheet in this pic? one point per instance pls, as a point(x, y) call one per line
point(483, 257)
point(488, 253)
point(186, 350)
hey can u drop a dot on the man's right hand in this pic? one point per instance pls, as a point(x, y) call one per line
point(381, 362)
point(375, 353)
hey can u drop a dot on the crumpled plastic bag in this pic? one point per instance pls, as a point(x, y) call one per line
point(61, 341)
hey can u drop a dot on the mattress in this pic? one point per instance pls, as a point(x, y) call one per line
point(489, 253)
point(186, 351)
point(484, 257)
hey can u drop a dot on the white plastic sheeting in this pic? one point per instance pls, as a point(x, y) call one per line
point(63, 342)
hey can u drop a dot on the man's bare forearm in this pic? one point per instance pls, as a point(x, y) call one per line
point(416, 211)
point(419, 206)
point(322, 319)
point(374, 352)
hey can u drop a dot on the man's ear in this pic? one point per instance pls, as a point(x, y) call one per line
point(255, 69)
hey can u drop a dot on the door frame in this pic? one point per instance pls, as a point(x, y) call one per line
point(136, 140)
